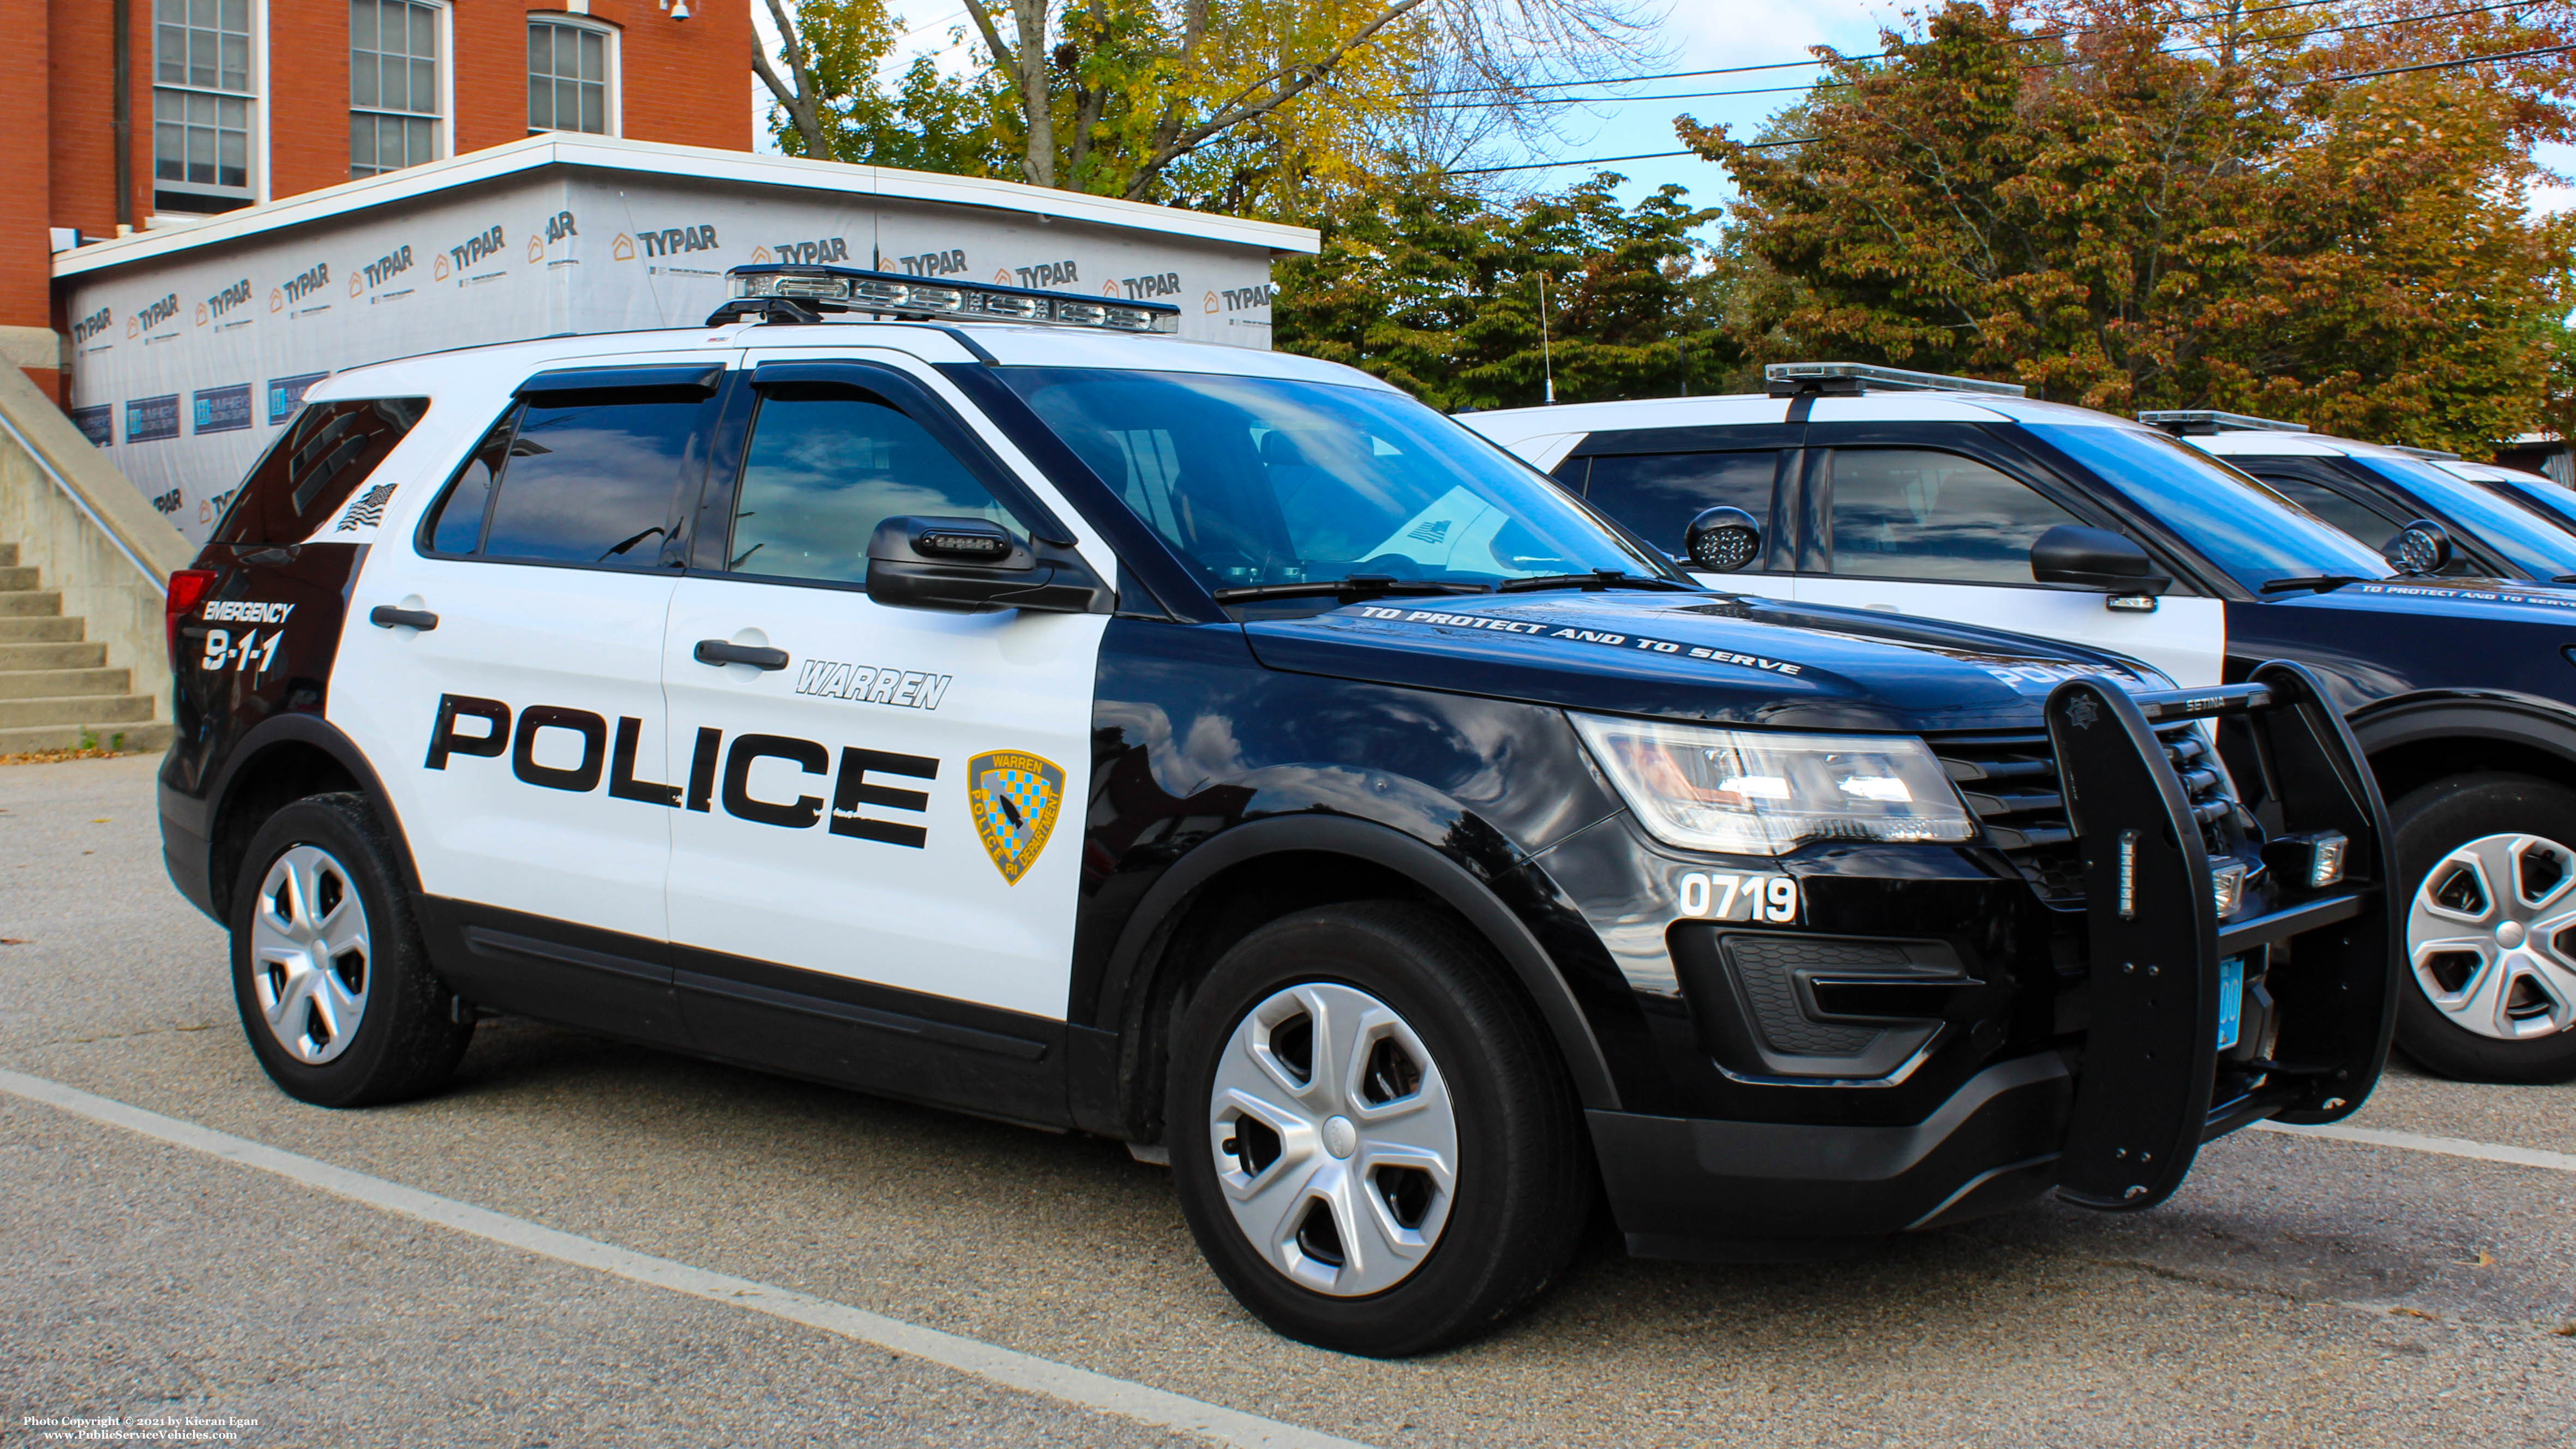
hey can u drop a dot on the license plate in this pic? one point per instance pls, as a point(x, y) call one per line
point(2231, 1000)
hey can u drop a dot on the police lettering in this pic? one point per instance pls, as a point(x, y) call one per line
point(308, 283)
point(475, 728)
point(676, 239)
point(387, 267)
point(158, 313)
point(91, 325)
point(1168, 284)
point(934, 264)
point(824, 249)
point(1047, 274)
point(475, 248)
point(229, 298)
point(559, 226)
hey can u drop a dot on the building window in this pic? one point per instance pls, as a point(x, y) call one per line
point(571, 74)
point(201, 105)
point(395, 99)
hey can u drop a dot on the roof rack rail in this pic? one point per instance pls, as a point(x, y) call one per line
point(786, 292)
point(2200, 422)
point(1851, 379)
point(2429, 455)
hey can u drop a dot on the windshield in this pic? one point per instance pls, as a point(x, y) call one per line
point(2253, 533)
point(2535, 547)
point(2550, 501)
point(1263, 481)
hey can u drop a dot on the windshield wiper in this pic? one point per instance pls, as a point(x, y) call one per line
point(1356, 586)
point(1592, 582)
point(2321, 583)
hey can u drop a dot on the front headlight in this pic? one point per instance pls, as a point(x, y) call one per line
point(1748, 792)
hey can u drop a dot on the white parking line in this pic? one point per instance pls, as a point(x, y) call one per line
point(1007, 1367)
point(2416, 1142)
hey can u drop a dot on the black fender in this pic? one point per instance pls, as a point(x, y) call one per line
point(1132, 959)
point(2522, 719)
point(201, 819)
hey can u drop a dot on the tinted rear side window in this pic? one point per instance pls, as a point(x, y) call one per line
point(314, 466)
point(2366, 524)
point(579, 478)
point(1658, 494)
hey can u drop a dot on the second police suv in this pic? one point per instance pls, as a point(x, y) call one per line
point(1217, 751)
point(1956, 498)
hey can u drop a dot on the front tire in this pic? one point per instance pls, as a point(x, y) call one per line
point(1372, 1137)
point(329, 973)
point(2489, 880)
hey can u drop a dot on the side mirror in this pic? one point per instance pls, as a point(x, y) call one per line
point(2094, 558)
point(1722, 540)
point(976, 566)
point(2421, 547)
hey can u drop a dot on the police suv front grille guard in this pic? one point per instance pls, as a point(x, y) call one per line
point(2150, 1090)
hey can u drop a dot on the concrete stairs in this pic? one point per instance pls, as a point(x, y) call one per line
point(56, 691)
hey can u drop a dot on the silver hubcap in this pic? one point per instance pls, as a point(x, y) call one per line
point(1335, 1139)
point(310, 956)
point(2483, 936)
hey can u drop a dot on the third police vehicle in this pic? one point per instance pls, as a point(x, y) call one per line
point(1933, 497)
point(1217, 751)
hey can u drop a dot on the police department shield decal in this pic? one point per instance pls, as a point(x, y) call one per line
point(1015, 796)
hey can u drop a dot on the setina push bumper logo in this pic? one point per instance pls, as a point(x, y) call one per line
point(1015, 797)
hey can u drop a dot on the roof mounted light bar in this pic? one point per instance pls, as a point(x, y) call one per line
point(1851, 379)
point(789, 292)
point(2201, 422)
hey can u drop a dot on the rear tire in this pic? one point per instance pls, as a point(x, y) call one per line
point(329, 972)
point(1426, 1177)
point(2486, 870)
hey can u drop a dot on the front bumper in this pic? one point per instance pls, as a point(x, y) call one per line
point(2076, 1045)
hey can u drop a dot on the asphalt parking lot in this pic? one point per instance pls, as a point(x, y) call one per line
point(641, 1249)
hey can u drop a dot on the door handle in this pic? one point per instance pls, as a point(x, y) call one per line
point(386, 616)
point(721, 651)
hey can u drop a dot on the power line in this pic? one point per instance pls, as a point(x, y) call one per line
point(1834, 85)
point(1796, 64)
point(1803, 140)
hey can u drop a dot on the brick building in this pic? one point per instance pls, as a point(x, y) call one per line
point(229, 103)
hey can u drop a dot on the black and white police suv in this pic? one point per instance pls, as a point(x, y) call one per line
point(1442, 855)
point(2376, 493)
point(1950, 498)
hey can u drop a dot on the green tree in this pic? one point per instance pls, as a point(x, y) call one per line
point(2125, 213)
point(1440, 293)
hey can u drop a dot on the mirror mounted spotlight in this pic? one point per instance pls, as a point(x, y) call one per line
point(1722, 540)
point(2421, 547)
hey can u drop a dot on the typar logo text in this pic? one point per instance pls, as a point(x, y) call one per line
point(927, 264)
point(472, 252)
point(1161, 284)
point(807, 253)
point(149, 318)
point(93, 325)
point(222, 304)
point(367, 279)
point(303, 285)
point(672, 241)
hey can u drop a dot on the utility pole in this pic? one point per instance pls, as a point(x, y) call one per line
point(1546, 353)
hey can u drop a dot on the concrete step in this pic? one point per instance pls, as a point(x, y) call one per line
point(77, 709)
point(14, 578)
point(63, 683)
point(15, 657)
point(39, 629)
point(145, 737)
point(19, 603)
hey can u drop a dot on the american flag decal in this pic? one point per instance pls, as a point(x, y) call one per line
point(368, 511)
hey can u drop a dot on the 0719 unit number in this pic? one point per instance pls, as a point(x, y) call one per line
point(1770, 899)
